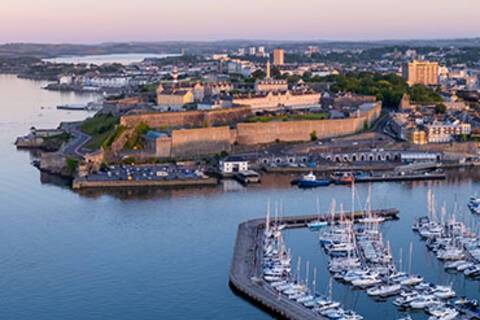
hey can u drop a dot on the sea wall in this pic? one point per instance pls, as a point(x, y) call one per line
point(188, 119)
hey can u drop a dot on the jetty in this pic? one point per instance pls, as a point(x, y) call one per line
point(246, 271)
point(406, 177)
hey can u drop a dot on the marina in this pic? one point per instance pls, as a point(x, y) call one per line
point(358, 257)
point(246, 270)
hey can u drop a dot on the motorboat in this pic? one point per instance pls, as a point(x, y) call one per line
point(465, 266)
point(342, 178)
point(351, 315)
point(422, 301)
point(453, 265)
point(472, 271)
point(384, 291)
point(443, 292)
point(310, 181)
point(318, 224)
point(372, 220)
point(366, 281)
point(411, 280)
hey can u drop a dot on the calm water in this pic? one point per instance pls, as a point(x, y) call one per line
point(160, 254)
point(125, 58)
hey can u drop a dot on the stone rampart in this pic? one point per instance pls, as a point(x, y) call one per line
point(187, 119)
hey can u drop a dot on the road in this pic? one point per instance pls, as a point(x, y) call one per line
point(78, 140)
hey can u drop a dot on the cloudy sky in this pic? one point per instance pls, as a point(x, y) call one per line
point(91, 21)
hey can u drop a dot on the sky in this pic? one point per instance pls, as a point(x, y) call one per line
point(94, 21)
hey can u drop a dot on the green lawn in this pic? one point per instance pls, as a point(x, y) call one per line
point(100, 128)
point(292, 117)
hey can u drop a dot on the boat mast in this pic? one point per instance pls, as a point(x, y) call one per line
point(410, 258)
point(400, 261)
point(267, 222)
point(307, 270)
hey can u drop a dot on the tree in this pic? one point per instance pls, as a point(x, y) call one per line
point(258, 74)
point(313, 136)
point(440, 108)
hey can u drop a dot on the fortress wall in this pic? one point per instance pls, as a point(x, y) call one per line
point(189, 119)
point(261, 133)
point(195, 142)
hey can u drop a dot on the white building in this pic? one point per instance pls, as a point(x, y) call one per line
point(233, 164)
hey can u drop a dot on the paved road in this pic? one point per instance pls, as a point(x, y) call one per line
point(76, 143)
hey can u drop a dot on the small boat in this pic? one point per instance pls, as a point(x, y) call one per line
point(443, 292)
point(342, 178)
point(384, 291)
point(366, 282)
point(452, 265)
point(472, 271)
point(422, 302)
point(310, 181)
point(442, 313)
point(315, 225)
point(373, 219)
point(412, 280)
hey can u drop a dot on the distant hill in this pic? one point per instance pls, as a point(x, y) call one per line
point(54, 50)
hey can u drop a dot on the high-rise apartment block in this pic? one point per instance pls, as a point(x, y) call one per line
point(278, 57)
point(421, 72)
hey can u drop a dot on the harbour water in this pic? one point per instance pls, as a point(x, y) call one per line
point(166, 254)
point(108, 58)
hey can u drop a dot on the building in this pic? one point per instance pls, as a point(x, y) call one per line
point(405, 103)
point(421, 72)
point(271, 85)
point(216, 88)
point(416, 136)
point(252, 51)
point(244, 68)
point(274, 100)
point(439, 132)
point(174, 98)
point(278, 57)
point(261, 51)
point(233, 164)
point(418, 156)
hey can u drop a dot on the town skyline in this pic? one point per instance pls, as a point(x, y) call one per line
point(186, 20)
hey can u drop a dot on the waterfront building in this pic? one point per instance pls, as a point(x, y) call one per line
point(233, 164)
point(421, 72)
point(278, 57)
